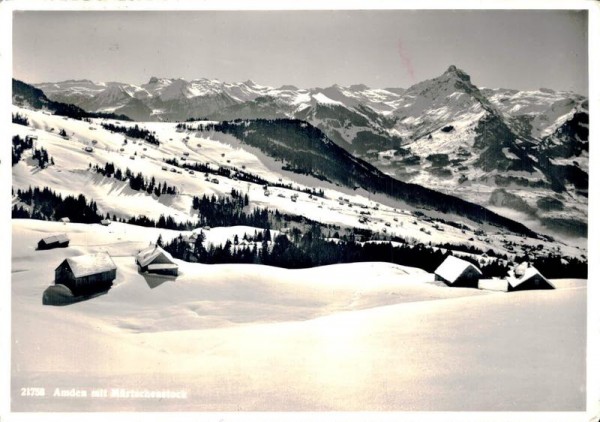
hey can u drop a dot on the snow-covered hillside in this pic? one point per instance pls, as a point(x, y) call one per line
point(365, 336)
point(73, 173)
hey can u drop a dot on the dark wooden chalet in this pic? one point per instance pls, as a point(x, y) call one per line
point(51, 242)
point(86, 274)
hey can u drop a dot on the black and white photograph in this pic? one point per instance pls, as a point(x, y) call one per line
point(263, 209)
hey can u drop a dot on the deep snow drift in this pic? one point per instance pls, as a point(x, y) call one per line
point(368, 336)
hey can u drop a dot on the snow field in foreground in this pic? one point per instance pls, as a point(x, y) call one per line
point(365, 336)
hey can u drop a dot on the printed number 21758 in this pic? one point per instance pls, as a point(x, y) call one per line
point(33, 392)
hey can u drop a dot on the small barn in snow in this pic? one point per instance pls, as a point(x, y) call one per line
point(528, 277)
point(65, 220)
point(51, 242)
point(457, 272)
point(155, 259)
point(105, 222)
point(86, 274)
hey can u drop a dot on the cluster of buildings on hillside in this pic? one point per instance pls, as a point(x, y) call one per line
point(456, 272)
point(86, 275)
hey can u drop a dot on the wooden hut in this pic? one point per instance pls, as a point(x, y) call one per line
point(155, 259)
point(105, 222)
point(51, 242)
point(457, 272)
point(527, 277)
point(86, 274)
point(65, 220)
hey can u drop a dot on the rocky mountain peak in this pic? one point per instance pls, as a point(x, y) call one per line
point(451, 81)
point(454, 71)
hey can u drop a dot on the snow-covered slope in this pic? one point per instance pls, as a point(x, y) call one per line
point(251, 338)
point(344, 207)
point(544, 110)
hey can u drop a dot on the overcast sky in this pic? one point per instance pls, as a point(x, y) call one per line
point(509, 49)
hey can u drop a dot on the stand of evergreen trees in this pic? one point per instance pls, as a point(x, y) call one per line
point(20, 119)
point(45, 204)
point(137, 181)
point(133, 132)
point(229, 211)
point(555, 266)
point(183, 126)
point(19, 145)
point(41, 155)
point(472, 250)
point(222, 254)
point(493, 268)
point(163, 222)
point(311, 251)
point(189, 128)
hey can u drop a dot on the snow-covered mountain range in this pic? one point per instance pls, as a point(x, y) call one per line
point(523, 154)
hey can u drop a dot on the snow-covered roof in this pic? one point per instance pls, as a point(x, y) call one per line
point(453, 267)
point(520, 269)
point(65, 219)
point(523, 275)
point(146, 256)
point(85, 265)
point(58, 238)
point(162, 266)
